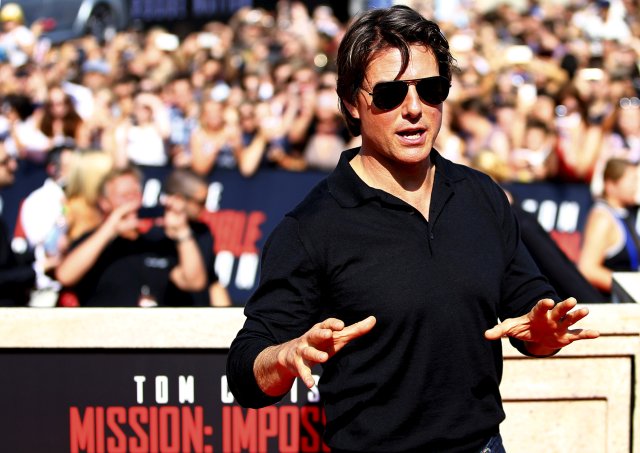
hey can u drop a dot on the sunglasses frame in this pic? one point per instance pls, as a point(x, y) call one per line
point(444, 82)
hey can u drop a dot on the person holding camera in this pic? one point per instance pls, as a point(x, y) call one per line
point(121, 264)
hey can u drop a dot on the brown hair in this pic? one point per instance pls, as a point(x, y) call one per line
point(378, 29)
point(615, 169)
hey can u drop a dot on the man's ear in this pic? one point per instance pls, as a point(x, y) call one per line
point(352, 109)
point(104, 204)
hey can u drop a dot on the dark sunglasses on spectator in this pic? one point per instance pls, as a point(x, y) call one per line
point(389, 95)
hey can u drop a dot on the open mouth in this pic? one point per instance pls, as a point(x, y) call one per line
point(412, 134)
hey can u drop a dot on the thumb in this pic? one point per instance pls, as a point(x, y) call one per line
point(495, 333)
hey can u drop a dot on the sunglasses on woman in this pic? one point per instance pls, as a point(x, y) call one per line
point(389, 95)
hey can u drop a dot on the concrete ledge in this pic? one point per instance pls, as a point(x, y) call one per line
point(119, 327)
point(583, 399)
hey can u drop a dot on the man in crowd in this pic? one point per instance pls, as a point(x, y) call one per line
point(192, 189)
point(394, 271)
point(17, 277)
point(118, 265)
point(41, 220)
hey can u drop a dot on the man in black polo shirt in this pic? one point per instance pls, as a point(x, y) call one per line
point(394, 271)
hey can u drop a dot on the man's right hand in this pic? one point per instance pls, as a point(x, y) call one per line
point(123, 220)
point(277, 367)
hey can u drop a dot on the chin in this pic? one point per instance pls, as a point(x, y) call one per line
point(414, 156)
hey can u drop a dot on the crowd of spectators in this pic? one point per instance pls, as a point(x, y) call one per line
point(548, 92)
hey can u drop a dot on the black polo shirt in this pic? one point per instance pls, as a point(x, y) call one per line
point(424, 378)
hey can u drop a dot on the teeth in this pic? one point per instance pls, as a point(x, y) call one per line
point(411, 135)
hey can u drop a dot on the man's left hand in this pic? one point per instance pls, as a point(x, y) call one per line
point(546, 328)
point(175, 220)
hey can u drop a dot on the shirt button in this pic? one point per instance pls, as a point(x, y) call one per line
point(431, 236)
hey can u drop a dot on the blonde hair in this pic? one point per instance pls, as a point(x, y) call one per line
point(86, 175)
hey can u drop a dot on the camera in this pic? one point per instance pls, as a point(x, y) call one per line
point(151, 212)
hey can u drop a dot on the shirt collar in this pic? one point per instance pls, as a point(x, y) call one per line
point(350, 191)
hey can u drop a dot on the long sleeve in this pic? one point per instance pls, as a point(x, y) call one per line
point(283, 307)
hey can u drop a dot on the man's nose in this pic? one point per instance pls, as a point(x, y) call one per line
point(412, 104)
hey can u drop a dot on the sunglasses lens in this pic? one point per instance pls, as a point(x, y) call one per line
point(388, 95)
point(433, 90)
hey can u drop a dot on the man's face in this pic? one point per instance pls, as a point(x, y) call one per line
point(627, 186)
point(8, 167)
point(196, 202)
point(121, 190)
point(406, 133)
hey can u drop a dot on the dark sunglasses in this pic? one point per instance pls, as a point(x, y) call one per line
point(389, 95)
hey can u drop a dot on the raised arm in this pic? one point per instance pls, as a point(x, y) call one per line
point(189, 274)
point(597, 238)
point(79, 260)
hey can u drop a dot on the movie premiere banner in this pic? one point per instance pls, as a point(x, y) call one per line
point(241, 212)
point(143, 401)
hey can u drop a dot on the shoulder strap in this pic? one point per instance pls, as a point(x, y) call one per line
point(632, 241)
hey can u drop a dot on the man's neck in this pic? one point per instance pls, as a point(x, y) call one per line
point(411, 183)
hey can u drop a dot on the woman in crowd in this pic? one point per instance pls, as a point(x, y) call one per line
point(327, 133)
point(579, 138)
point(621, 138)
point(24, 139)
point(85, 176)
point(611, 242)
point(140, 138)
point(59, 121)
point(215, 142)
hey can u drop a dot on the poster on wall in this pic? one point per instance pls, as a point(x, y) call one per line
point(143, 401)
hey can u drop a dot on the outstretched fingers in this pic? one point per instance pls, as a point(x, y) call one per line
point(357, 329)
point(582, 334)
point(573, 317)
point(323, 341)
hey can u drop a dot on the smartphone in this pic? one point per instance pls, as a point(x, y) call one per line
point(151, 212)
point(207, 40)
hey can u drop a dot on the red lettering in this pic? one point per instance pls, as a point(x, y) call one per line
point(569, 243)
point(253, 233)
point(82, 430)
point(140, 444)
point(153, 428)
point(100, 429)
point(118, 442)
point(267, 425)
point(289, 423)
point(226, 428)
point(236, 231)
point(169, 429)
point(244, 429)
point(192, 429)
point(309, 414)
point(228, 228)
